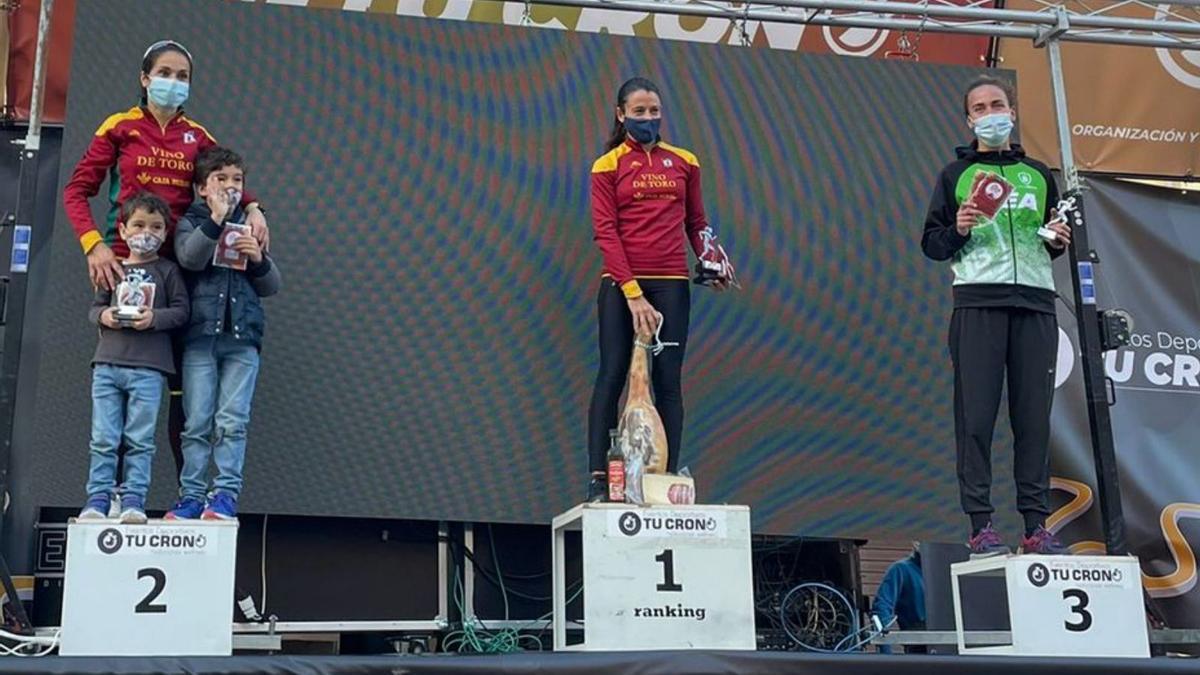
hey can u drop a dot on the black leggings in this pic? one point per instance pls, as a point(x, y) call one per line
point(985, 343)
point(672, 298)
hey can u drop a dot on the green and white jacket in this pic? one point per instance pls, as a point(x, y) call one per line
point(1002, 263)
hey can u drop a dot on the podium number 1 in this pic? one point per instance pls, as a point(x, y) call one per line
point(667, 558)
point(147, 606)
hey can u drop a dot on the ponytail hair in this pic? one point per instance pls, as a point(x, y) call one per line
point(631, 86)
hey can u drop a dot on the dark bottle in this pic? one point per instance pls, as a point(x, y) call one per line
point(616, 469)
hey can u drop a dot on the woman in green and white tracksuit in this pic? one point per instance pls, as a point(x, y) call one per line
point(1004, 314)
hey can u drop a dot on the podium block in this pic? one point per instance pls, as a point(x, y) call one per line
point(1064, 605)
point(160, 589)
point(658, 577)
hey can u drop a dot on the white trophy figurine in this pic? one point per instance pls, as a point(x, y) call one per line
point(134, 294)
point(713, 264)
point(1064, 207)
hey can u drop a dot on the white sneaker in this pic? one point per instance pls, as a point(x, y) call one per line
point(91, 513)
point(96, 508)
point(131, 515)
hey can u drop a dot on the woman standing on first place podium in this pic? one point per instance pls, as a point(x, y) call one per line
point(646, 204)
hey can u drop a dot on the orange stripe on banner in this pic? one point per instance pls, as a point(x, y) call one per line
point(1177, 583)
point(1076, 507)
point(1183, 579)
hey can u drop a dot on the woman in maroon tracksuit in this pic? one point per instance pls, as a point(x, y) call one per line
point(646, 208)
point(151, 147)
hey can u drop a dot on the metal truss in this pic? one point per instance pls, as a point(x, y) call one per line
point(1171, 26)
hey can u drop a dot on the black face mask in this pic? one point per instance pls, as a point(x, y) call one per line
point(643, 130)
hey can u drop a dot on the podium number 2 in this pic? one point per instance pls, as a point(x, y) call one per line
point(667, 558)
point(1081, 602)
point(147, 606)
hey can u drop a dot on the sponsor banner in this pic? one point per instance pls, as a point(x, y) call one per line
point(865, 42)
point(1132, 110)
point(1050, 573)
point(1150, 248)
point(143, 540)
point(649, 523)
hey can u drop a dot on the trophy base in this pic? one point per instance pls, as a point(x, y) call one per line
point(1047, 234)
point(707, 274)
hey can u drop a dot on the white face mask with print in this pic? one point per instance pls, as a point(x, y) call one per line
point(144, 243)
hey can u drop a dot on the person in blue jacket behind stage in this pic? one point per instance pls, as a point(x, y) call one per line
point(900, 600)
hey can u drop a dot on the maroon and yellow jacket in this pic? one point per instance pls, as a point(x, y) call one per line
point(645, 205)
point(135, 154)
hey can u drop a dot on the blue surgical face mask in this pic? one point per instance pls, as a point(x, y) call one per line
point(167, 92)
point(993, 130)
point(643, 130)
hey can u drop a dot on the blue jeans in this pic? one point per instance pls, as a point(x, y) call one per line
point(125, 404)
point(218, 384)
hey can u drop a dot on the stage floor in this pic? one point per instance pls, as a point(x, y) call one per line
point(692, 663)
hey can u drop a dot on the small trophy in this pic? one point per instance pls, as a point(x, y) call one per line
point(1065, 206)
point(989, 192)
point(135, 294)
point(225, 254)
point(712, 264)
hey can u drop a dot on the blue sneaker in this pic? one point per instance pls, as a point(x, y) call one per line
point(221, 506)
point(96, 507)
point(188, 508)
point(133, 510)
point(987, 543)
point(1043, 542)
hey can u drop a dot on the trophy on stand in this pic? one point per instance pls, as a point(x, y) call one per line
point(1065, 206)
point(135, 294)
point(712, 265)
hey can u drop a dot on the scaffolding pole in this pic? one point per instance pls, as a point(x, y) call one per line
point(1087, 318)
point(17, 288)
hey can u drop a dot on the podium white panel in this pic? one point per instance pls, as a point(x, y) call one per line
point(659, 577)
point(1064, 605)
point(160, 589)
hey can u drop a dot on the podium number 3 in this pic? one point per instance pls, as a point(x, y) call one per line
point(1081, 602)
point(667, 558)
point(147, 606)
